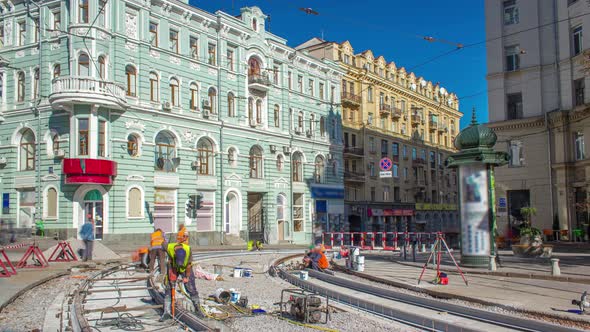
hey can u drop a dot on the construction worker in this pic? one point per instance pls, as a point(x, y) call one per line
point(316, 259)
point(179, 269)
point(182, 236)
point(157, 249)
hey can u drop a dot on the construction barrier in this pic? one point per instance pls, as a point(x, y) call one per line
point(377, 240)
point(36, 255)
point(5, 264)
point(63, 252)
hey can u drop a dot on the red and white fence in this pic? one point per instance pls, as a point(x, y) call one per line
point(376, 240)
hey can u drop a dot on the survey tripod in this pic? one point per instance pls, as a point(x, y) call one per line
point(437, 250)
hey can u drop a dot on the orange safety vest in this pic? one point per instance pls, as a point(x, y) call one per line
point(182, 236)
point(157, 239)
point(323, 261)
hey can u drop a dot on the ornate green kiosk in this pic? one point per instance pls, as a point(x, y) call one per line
point(475, 162)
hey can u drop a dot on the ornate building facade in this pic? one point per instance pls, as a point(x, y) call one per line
point(390, 113)
point(126, 111)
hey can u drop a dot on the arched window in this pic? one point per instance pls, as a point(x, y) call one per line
point(256, 162)
point(36, 83)
point(27, 150)
point(165, 152)
point(206, 156)
point(311, 128)
point(174, 92)
point(253, 67)
point(54, 142)
point(297, 167)
point(280, 163)
point(251, 110)
point(83, 65)
point(319, 172)
point(133, 145)
point(254, 24)
point(131, 74)
point(277, 116)
point(300, 122)
point(323, 126)
point(51, 204)
point(56, 71)
point(232, 157)
point(194, 96)
point(154, 87)
point(231, 106)
point(213, 100)
point(134, 204)
point(102, 68)
point(259, 111)
point(20, 96)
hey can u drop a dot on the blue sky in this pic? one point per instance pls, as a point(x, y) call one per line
point(394, 29)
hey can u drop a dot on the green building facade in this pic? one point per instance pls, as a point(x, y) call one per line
point(125, 111)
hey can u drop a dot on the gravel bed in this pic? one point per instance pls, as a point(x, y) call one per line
point(265, 291)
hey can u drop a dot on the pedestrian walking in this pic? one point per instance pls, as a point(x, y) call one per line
point(87, 236)
point(157, 250)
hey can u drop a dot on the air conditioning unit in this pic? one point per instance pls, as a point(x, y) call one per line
point(286, 149)
point(308, 133)
point(195, 164)
point(166, 106)
point(273, 148)
point(298, 130)
point(205, 112)
point(2, 161)
point(59, 153)
point(206, 104)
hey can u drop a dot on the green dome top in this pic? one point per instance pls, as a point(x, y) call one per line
point(475, 136)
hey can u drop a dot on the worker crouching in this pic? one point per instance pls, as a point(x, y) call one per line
point(179, 270)
point(316, 259)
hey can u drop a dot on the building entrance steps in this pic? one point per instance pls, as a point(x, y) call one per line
point(549, 297)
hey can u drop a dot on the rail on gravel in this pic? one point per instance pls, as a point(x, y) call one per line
point(408, 317)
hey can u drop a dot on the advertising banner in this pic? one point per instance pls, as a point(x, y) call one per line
point(475, 227)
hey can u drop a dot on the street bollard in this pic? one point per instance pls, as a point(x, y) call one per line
point(414, 252)
point(492, 265)
point(555, 270)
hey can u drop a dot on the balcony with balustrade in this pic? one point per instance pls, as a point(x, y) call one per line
point(416, 120)
point(350, 99)
point(259, 81)
point(68, 91)
point(384, 110)
point(353, 151)
point(432, 125)
point(442, 128)
point(352, 176)
point(396, 113)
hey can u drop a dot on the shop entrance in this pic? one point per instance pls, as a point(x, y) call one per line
point(93, 210)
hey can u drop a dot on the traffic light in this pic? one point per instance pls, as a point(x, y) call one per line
point(191, 210)
point(199, 201)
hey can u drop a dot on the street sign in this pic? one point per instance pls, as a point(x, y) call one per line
point(385, 164)
point(385, 174)
point(502, 202)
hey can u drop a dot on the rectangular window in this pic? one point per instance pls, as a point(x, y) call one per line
point(300, 83)
point(56, 15)
point(275, 74)
point(385, 193)
point(372, 144)
point(577, 40)
point(174, 41)
point(311, 88)
point(512, 58)
point(395, 170)
point(194, 44)
point(372, 169)
point(514, 106)
point(211, 51)
point(580, 146)
point(101, 19)
point(384, 148)
point(290, 80)
point(332, 93)
point(83, 137)
point(414, 154)
point(370, 94)
point(22, 33)
point(395, 149)
point(516, 153)
point(26, 206)
point(2, 35)
point(510, 12)
point(579, 86)
point(83, 11)
point(403, 106)
point(298, 212)
point(405, 173)
point(405, 151)
point(321, 91)
point(353, 140)
point(36, 30)
point(154, 34)
point(230, 59)
point(372, 194)
point(370, 118)
point(102, 138)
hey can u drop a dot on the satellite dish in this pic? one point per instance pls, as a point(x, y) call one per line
point(423, 82)
point(176, 162)
point(443, 91)
point(168, 165)
point(160, 163)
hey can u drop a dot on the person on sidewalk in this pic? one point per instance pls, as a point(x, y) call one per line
point(87, 236)
point(157, 245)
point(180, 270)
point(182, 236)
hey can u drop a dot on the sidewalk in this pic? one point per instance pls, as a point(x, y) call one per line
point(534, 295)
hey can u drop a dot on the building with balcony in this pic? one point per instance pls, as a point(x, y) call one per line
point(391, 113)
point(539, 103)
point(123, 111)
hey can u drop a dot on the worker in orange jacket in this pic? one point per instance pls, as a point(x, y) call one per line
point(316, 259)
point(158, 250)
point(182, 236)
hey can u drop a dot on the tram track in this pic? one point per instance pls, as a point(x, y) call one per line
point(420, 312)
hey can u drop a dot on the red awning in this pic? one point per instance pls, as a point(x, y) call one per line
point(85, 170)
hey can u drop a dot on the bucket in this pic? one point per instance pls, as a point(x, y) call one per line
point(358, 267)
point(303, 275)
point(235, 296)
point(238, 272)
point(354, 251)
point(360, 260)
point(218, 269)
point(247, 273)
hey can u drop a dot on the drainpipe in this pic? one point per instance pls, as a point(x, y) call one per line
point(560, 107)
point(223, 216)
point(292, 223)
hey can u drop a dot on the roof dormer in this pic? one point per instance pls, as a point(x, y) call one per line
point(254, 18)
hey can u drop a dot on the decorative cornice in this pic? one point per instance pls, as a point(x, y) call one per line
point(531, 122)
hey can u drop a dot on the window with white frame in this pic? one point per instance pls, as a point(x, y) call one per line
point(310, 88)
point(102, 69)
point(259, 111)
point(320, 169)
point(165, 152)
point(512, 54)
point(133, 145)
point(194, 91)
point(577, 46)
point(206, 156)
point(83, 65)
point(56, 71)
point(212, 94)
point(516, 152)
point(20, 86)
point(131, 75)
point(194, 47)
point(153, 33)
point(280, 162)
point(102, 138)
point(27, 150)
point(174, 92)
point(232, 157)
point(36, 30)
point(297, 167)
point(56, 20)
point(2, 35)
point(134, 203)
point(173, 41)
point(83, 137)
point(212, 51)
point(299, 122)
point(386, 193)
point(579, 146)
point(277, 116)
point(102, 13)
point(36, 83)
point(230, 59)
point(300, 83)
point(82, 11)
point(51, 204)
point(231, 105)
point(510, 12)
point(256, 162)
point(298, 212)
point(154, 87)
point(323, 126)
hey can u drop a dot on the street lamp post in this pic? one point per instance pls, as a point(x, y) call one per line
point(475, 162)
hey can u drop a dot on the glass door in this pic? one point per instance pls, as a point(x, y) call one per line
point(94, 211)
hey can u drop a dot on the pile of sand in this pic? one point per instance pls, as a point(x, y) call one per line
point(99, 251)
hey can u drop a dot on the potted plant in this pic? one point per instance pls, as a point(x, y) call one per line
point(529, 235)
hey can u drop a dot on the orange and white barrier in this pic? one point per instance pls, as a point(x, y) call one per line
point(390, 241)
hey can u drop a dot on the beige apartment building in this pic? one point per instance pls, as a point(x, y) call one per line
point(539, 106)
point(388, 112)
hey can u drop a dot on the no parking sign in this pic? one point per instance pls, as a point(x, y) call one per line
point(385, 164)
